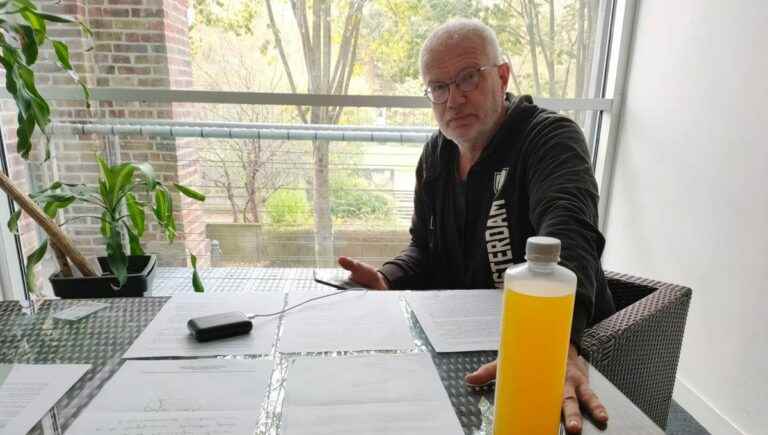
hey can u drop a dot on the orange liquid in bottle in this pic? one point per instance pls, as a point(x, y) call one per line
point(532, 359)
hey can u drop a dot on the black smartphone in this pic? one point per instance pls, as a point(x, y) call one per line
point(334, 278)
point(215, 326)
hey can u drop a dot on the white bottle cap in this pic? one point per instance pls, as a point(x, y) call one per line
point(542, 249)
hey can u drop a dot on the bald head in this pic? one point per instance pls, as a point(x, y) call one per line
point(461, 30)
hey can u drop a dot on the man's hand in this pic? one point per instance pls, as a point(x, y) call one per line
point(363, 274)
point(575, 394)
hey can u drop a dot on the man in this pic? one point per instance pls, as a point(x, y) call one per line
point(499, 170)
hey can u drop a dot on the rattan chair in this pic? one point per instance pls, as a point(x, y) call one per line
point(638, 347)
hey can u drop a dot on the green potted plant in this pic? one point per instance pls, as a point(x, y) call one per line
point(127, 270)
point(23, 30)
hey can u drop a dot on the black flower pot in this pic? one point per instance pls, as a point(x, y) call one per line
point(141, 270)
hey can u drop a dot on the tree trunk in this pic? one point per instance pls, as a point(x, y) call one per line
point(317, 49)
point(527, 16)
point(232, 203)
point(581, 67)
point(55, 234)
point(324, 256)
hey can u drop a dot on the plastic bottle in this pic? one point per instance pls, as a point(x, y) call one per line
point(535, 334)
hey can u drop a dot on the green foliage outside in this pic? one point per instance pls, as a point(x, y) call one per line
point(289, 207)
point(354, 198)
point(549, 44)
point(395, 30)
point(353, 201)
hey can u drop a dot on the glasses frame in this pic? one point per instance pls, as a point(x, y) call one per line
point(455, 81)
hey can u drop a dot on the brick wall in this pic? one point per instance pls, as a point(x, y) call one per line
point(136, 43)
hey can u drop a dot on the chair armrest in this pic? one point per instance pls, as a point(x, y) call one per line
point(638, 348)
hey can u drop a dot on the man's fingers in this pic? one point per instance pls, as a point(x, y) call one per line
point(591, 403)
point(363, 273)
point(571, 415)
point(347, 263)
point(486, 373)
point(571, 412)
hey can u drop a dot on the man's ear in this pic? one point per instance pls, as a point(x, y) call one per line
point(504, 75)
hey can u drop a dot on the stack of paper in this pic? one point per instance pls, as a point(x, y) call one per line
point(191, 397)
point(27, 392)
point(459, 320)
point(354, 320)
point(379, 394)
point(167, 334)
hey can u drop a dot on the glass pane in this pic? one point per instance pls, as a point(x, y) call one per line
point(261, 207)
point(365, 191)
point(550, 45)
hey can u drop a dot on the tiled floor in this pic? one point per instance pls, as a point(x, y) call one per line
point(682, 423)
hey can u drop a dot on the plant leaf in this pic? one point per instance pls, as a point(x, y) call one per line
point(28, 43)
point(170, 230)
point(149, 175)
point(189, 192)
point(160, 206)
point(55, 18)
point(106, 173)
point(57, 202)
point(62, 53)
point(87, 31)
point(122, 174)
point(104, 193)
point(62, 204)
point(86, 93)
point(116, 258)
point(32, 260)
point(40, 108)
point(31, 16)
point(55, 185)
point(170, 227)
point(24, 133)
point(135, 243)
point(106, 225)
point(13, 222)
point(197, 283)
point(135, 212)
point(164, 213)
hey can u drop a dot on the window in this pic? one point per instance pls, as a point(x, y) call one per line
point(304, 144)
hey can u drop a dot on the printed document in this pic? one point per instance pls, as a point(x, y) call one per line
point(373, 395)
point(28, 391)
point(354, 320)
point(167, 334)
point(189, 397)
point(459, 320)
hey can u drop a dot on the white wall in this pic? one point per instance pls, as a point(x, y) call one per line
point(689, 198)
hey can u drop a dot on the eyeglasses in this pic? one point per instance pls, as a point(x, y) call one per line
point(467, 81)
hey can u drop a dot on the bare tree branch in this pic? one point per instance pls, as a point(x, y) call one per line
point(325, 75)
point(343, 48)
point(528, 19)
point(315, 53)
point(544, 45)
point(515, 80)
point(281, 50)
point(302, 25)
point(351, 63)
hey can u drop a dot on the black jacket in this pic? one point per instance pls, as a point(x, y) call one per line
point(533, 178)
